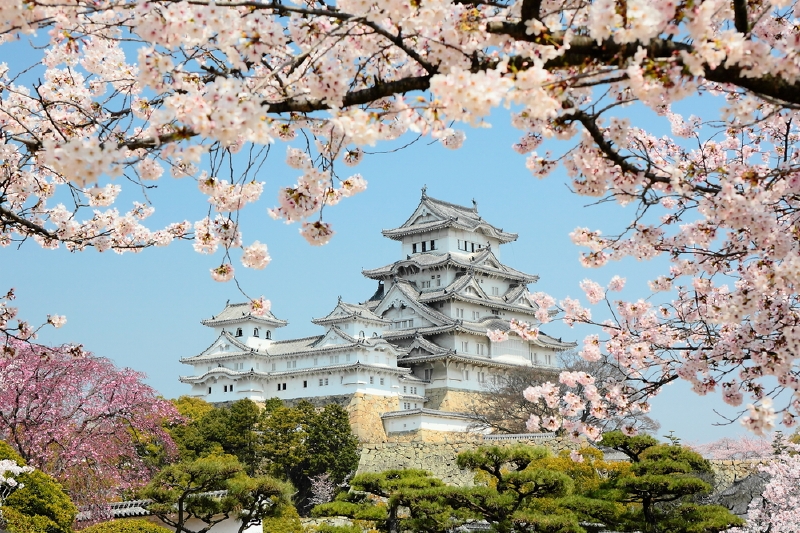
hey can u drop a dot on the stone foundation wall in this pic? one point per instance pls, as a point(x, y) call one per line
point(437, 452)
point(365, 412)
point(727, 472)
point(453, 401)
point(438, 458)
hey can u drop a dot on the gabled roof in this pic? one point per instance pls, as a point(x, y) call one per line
point(432, 214)
point(484, 262)
point(474, 328)
point(421, 343)
point(212, 353)
point(234, 313)
point(468, 289)
point(410, 296)
point(345, 312)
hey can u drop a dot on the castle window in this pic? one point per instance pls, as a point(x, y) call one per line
point(465, 346)
point(315, 361)
point(481, 377)
point(326, 381)
point(428, 374)
point(279, 386)
point(480, 349)
point(209, 390)
point(424, 246)
point(284, 386)
point(371, 380)
point(321, 381)
point(209, 368)
point(414, 248)
point(231, 388)
point(549, 360)
point(268, 335)
point(459, 312)
point(381, 381)
point(225, 388)
point(406, 406)
point(426, 284)
point(404, 389)
point(466, 375)
point(433, 245)
point(305, 384)
point(476, 315)
point(273, 367)
point(238, 332)
point(473, 246)
point(255, 332)
point(347, 357)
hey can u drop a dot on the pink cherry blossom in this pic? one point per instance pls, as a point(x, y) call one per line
point(224, 272)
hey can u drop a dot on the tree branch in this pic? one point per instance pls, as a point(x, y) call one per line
point(584, 50)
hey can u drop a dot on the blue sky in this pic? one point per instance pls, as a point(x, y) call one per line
point(143, 310)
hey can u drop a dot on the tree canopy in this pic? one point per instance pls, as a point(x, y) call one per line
point(145, 89)
point(80, 419)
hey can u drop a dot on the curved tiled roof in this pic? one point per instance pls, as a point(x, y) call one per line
point(445, 215)
point(240, 312)
point(326, 369)
point(476, 261)
point(350, 311)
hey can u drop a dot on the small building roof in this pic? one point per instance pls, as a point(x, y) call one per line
point(344, 312)
point(240, 312)
point(432, 214)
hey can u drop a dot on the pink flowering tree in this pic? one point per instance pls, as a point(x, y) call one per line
point(144, 89)
point(80, 419)
point(742, 447)
point(778, 509)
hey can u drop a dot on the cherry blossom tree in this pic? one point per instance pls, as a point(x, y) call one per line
point(78, 418)
point(778, 510)
point(139, 89)
point(742, 447)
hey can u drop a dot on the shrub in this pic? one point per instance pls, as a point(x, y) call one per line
point(134, 525)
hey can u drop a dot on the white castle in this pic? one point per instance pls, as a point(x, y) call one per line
point(411, 356)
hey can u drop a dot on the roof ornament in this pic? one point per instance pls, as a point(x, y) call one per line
point(425, 191)
point(474, 205)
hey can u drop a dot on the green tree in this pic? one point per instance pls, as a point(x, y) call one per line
point(188, 490)
point(213, 430)
point(41, 506)
point(665, 481)
point(517, 489)
point(331, 445)
point(300, 442)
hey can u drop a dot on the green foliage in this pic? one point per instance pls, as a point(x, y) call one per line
point(136, 525)
point(358, 511)
point(293, 444)
point(285, 521)
point(517, 490)
point(665, 479)
point(185, 490)
point(326, 528)
point(332, 446)
point(40, 506)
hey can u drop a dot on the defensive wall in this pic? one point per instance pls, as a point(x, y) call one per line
point(437, 454)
